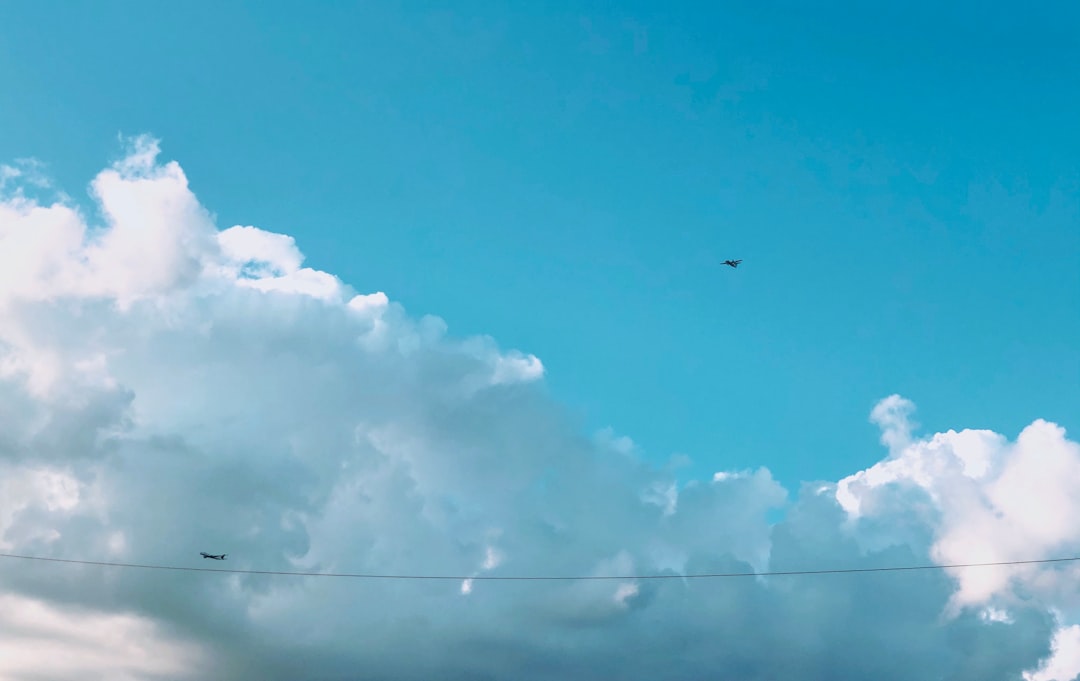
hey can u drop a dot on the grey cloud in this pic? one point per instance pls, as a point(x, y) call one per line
point(295, 433)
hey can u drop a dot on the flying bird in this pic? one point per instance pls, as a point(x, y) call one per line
point(220, 556)
point(732, 263)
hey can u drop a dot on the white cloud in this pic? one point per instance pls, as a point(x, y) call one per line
point(271, 262)
point(1064, 663)
point(892, 416)
point(26, 174)
point(168, 388)
point(31, 496)
point(43, 641)
point(988, 500)
point(265, 252)
point(515, 367)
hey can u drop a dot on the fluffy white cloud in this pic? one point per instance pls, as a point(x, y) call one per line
point(988, 500)
point(271, 262)
point(1064, 663)
point(168, 388)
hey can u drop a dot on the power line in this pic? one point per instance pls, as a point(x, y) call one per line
point(538, 578)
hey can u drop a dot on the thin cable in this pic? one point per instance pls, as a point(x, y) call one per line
point(493, 578)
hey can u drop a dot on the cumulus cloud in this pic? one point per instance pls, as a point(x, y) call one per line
point(987, 500)
point(169, 387)
point(1064, 663)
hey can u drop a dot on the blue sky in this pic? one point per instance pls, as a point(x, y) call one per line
point(900, 183)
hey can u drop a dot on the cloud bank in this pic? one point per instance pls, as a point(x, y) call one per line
point(168, 388)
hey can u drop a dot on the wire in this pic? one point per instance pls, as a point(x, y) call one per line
point(508, 578)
